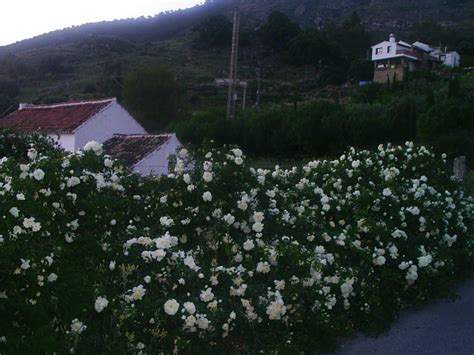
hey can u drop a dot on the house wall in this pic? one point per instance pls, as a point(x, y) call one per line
point(112, 120)
point(452, 59)
point(66, 141)
point(385, 53)
point(156, 163)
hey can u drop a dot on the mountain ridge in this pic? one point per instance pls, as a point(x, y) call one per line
point(377, 15)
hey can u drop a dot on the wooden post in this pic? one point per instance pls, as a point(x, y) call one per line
point(460, 168)
point(232, 92)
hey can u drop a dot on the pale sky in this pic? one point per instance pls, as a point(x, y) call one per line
point(22, 19)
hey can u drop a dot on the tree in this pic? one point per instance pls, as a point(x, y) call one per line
point(429, 32)
point(9, 88)
point(214, 31)
point(152, 94)
point(361, 70)
point(279, 30)
point(307, 48)
point(454, 88)
point(51, 64)
point(351, 37)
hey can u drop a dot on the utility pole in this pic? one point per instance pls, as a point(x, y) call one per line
point(259, 74)
point(232, 92)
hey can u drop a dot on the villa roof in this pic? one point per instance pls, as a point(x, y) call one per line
point(131, 149)
point(63, 117)
point(423, 46)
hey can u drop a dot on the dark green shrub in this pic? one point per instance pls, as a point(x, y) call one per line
point(449, 126)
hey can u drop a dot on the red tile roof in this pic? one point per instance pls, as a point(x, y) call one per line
point(132, 148)
point(55, 118)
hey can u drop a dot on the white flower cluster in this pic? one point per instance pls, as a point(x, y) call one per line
point(93, 146)
point(213, 258)
point(100, 304)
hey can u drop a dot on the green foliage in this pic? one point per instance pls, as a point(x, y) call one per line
point(9, 87)
point(219, 257)
point(16, 146)
point(470, 183)
point(454, 88)
point(318, 128)
point(361, 70)
point(214, 31)
point(427, 108)
point(308, 47)
point(153, 95)
point(7, 105)
point(279, 31)
point(449, 126)
point(352, 38)
point(51, 64)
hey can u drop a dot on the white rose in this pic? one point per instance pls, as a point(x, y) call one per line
point(249, 245)
point(207, 295)
point(189, 307)
point(14, 211)
point(257, 227)
point(77, 327)
point(94, 147)
point(100, 304)
point(108, 163)
point(229, 219)
point(171, 307)
point(32, 154)
point(207, 176)
point(38, 174)
point(355, 164)
point(138, 293)
point(424, 261)
point(237, 152)
point(207, 196)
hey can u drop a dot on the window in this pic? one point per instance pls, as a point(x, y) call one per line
point(389, 48)
point(442, 58)
point(378, 50)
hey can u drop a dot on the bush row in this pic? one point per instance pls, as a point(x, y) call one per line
point(434, 113)
point(319, 128)
point(219, 257)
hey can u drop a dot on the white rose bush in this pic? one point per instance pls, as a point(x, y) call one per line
point(219, 257)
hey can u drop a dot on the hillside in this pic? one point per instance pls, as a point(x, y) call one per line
point(380, 15)
point(93, 60)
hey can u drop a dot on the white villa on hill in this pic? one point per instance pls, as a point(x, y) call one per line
point(393, 58)
point(73, 124)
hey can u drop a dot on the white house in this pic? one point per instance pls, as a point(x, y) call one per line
point(392, 49)
point(393, 58)
point(451, 59)
point(144, 154)
point(73, 124)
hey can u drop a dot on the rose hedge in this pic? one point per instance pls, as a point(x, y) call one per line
point(219, 257)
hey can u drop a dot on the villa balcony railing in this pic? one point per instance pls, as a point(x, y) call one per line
point(410, 53)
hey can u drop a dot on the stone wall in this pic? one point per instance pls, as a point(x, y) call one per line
point(382, 75)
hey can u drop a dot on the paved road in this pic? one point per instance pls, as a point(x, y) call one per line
point(439, 328)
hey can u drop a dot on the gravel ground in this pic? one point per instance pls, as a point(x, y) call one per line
point(439, 328)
